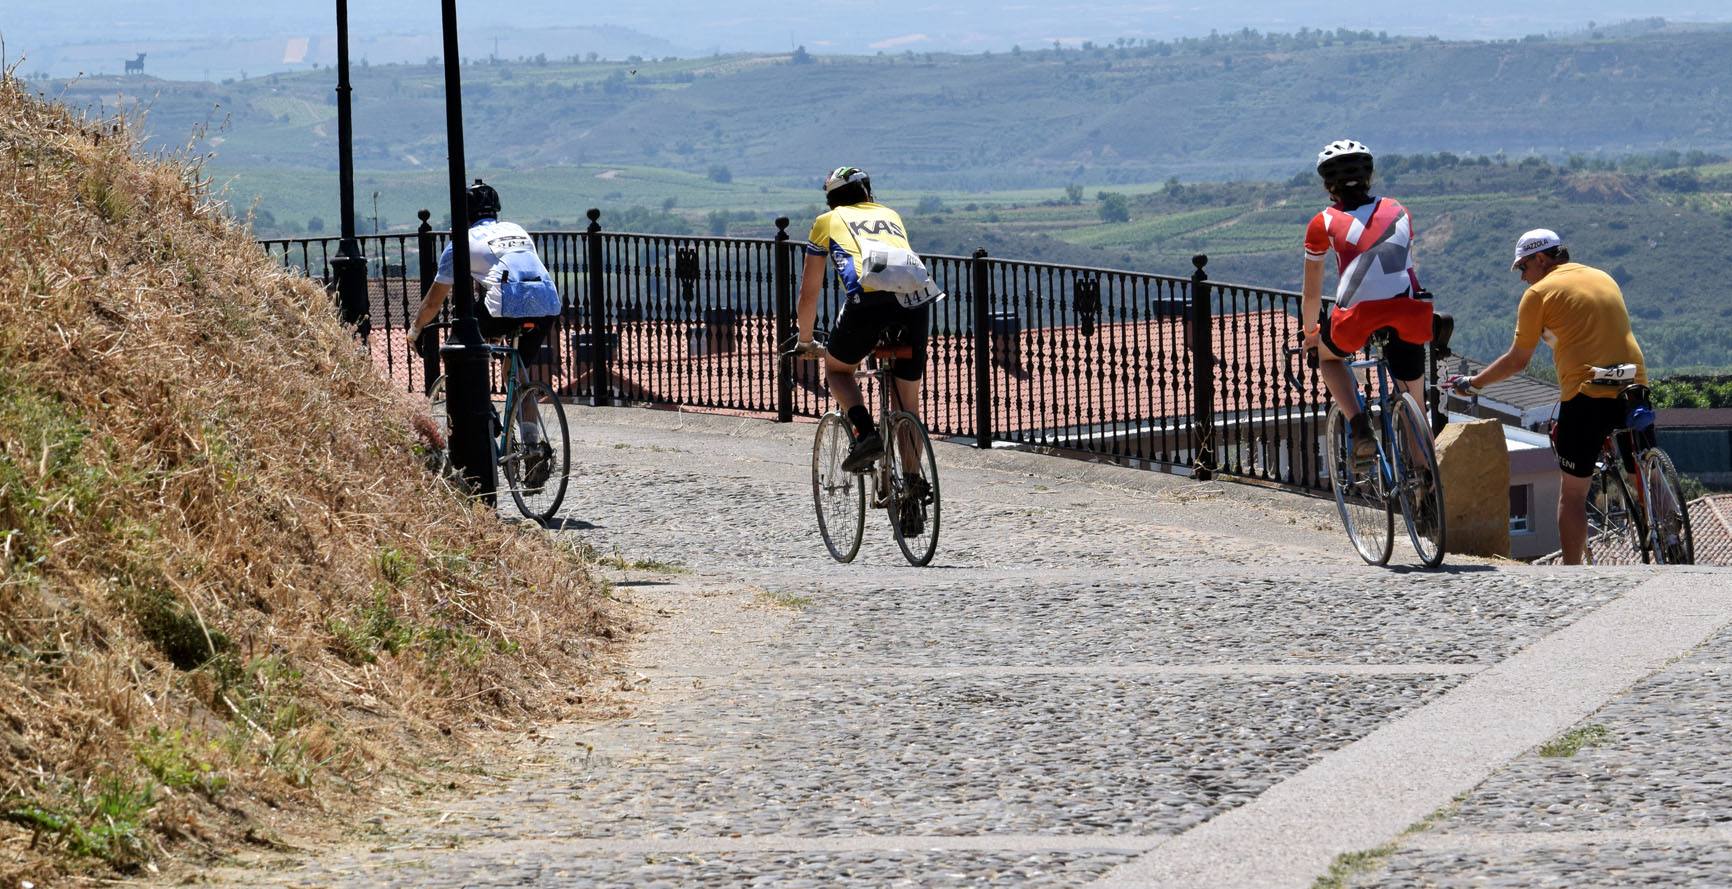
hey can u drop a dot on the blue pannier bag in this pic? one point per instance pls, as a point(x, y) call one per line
point(524, 290)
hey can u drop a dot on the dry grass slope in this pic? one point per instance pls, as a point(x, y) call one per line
point(227, 590)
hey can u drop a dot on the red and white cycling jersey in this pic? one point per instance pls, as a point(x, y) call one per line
point(1373, 244)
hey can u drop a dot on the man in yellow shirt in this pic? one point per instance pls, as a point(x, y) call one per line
point(887, 292)
point(1579, 311)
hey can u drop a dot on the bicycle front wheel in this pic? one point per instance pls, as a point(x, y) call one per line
point(838, 495)
point(1419, 482)
point(913, 504)
point(1361, 494)
point(1669, 534)
point(536, 461)
point(1611, 517)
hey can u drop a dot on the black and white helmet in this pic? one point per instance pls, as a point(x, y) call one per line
point(1344, 161)
point(843, 177)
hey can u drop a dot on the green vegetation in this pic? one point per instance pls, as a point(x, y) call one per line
point(1349, 865)
point(104, 821)
point(1571, 742)
point(784, 599)
point(1014, 142)
point(1693, 391)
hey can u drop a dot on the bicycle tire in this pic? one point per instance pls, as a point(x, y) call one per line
point(538, 498)
point(838, 496)
point(908, 454)
point(1366, 511)
point(1611, 514)
point(1669, 536)
point(1421, 504)
point(440, 461)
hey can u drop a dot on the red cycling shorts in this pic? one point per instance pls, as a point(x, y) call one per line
point(1349, 328)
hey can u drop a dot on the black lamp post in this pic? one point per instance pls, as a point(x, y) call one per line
point(350, 265)
point(466, 384)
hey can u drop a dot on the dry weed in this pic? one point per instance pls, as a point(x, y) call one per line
point(226, 586)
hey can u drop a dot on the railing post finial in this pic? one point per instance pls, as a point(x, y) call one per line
point(594, 220)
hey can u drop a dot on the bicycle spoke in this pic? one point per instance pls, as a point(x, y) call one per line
point(838, 495)
point(1420, 484)
point(1361, 497)
point(914, 502)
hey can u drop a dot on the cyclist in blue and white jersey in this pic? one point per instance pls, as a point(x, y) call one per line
point(516, 295)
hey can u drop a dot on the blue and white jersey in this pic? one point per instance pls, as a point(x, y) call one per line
point(502, 259)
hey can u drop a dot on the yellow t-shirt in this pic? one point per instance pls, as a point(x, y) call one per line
point(1579, 312)
point(837, 234)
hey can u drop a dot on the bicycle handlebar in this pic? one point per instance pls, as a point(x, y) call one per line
point(1287, 364)
point(789, 346)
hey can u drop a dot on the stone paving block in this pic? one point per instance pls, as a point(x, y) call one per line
point(1599, 866)
point(482, 869)
point(950, 757)
point(1666, 762)
point(1356, 617)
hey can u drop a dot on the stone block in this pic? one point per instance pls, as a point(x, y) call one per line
point(1475, 467)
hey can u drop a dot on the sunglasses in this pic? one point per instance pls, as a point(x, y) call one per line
point(1522, 267)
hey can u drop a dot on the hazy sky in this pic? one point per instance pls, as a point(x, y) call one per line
point(193, 38)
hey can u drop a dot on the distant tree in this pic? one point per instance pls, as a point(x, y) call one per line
point(718, 220)
point(719, 173)
point(930, 204)
point(1073, 193)
point(315, 225)
point(1115, 207)
point(668, 203)
point(801, 56)
point(591, 56)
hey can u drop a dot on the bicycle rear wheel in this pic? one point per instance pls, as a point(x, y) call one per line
point(1361, 495)
point(1611, 517)
point(914, 502)
point(838, 495)
point(537, 456)
point(1418, 481)
point(1669, 536)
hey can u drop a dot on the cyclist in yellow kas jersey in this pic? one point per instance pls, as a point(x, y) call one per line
point(887, 292)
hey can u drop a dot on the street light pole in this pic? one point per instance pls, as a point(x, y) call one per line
point(466, 385)
point(350, 266)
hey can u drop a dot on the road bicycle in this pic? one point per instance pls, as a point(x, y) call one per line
point(533, 453)
point(1634, 496)
point(1403, 473)
point(903, 482)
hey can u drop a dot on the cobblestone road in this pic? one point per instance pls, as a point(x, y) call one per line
point(1099, 661)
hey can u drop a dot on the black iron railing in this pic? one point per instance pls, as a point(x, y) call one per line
point(1179, 373)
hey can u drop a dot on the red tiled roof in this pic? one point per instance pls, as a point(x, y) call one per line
point(1710, 527)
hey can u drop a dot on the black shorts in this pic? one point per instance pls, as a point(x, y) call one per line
point(862, 325)
point(1581, 430)
point(529, 344)
point(1406, 360)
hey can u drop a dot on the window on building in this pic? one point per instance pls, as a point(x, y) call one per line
point(1521, 506)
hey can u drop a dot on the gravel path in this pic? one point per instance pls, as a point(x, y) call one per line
point(1098, 661)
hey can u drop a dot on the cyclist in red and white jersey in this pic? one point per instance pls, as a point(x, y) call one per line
point(1372, 238)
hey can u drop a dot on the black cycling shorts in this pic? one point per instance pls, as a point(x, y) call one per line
point(529, 344)
point(862, 325)
point(1581, 429)
point(1406, 360)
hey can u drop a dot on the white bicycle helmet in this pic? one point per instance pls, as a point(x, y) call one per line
point(844, 176)
point(1336, 153)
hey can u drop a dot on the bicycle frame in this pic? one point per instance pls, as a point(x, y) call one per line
point(1385, 417)
point(889, 400)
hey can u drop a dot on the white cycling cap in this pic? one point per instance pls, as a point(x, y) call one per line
point(1533, 242)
